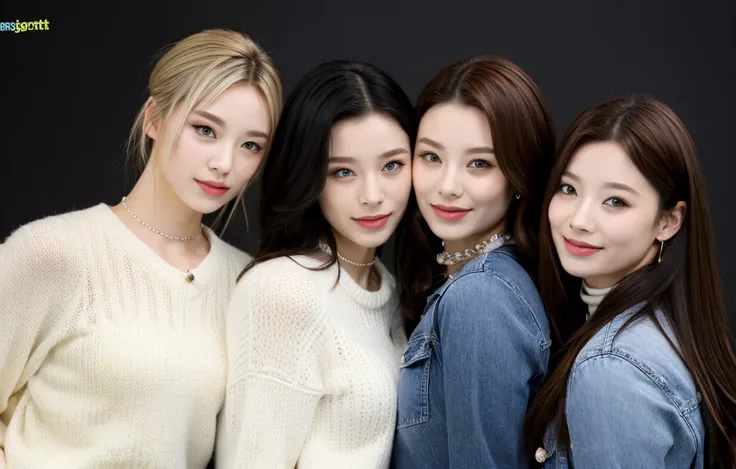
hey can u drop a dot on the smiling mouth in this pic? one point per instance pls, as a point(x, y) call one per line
point(211, 189)
point(372, 222)
point(580, 248)
point(450, 213)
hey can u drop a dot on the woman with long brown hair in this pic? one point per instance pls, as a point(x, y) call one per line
point(627, 261)
point(480, 350)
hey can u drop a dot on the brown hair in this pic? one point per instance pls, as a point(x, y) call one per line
point(685, 286)
point(524, 144)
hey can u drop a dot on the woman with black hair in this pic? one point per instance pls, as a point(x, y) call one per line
point(314, 333)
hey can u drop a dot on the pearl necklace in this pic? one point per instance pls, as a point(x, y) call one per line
point(497, 240)
point(326, 249)
point(173, 238)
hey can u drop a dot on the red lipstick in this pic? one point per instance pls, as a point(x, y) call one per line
point(372, 222)
point(580, 248)
point(450, 213)
point(212, 188)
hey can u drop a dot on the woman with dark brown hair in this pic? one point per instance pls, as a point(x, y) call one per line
point(648, 378)
point(481, 346)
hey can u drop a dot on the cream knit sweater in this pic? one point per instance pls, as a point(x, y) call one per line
point(108, 357)
point(313, 370)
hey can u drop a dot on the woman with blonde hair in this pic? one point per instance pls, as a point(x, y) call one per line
point(111, 346)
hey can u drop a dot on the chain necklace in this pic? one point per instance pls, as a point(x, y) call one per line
point(174, 238)
point(497, 240)
point(326, 249)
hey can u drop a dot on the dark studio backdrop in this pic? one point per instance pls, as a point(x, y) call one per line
point(70, 94)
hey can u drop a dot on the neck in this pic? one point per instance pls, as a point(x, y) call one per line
point(460, 245)
point(593, 296)
point(154, 202)
point(360, 255)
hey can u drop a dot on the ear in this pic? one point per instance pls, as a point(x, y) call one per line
point(671, 222)
point(151, 119)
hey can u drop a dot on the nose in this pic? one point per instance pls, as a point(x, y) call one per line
point(580, 218)
point(222, 160)
point(449, 185)
point(371, 192)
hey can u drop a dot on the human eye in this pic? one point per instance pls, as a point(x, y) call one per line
point(567, 189)
point(252, 146)
point(616, 202)
point(429, 157)
point(393, 166)
point(480, 164)
point(204, 130)
point(342, 173)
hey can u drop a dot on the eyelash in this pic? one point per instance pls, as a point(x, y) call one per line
point(398, 164)
point(424, 155)
point(199, 127)
point(623, 202)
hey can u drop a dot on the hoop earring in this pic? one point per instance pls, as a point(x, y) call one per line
point(518, 196)
point(661, 248)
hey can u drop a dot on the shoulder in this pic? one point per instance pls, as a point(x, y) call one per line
point(283, 283)
point(497, 287)
point(51, 242)
point(642, 353)
point(228, 253)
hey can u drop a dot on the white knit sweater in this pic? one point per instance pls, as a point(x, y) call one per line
point(108, 357)
point(313, 370)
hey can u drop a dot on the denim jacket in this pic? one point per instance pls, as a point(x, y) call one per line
point(471, 366)
point(631, 403)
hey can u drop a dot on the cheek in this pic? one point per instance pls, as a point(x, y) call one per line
point(400, 185)
point(247, 165)
point(492, 191)
point(423, 180)
point(626, 231)
point(333, 198)
point(556, 212)
point(188, 152)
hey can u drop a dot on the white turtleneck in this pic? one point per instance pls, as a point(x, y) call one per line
point(592, 297)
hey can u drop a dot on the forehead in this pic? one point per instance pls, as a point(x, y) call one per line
point(455, 124)
point(243, 105)
point(367, 136)
point(606, 162)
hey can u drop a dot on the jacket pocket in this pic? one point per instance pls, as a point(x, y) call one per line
point(413, 397)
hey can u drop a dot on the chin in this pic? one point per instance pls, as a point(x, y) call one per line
point(206, 206)
point(371, 240)
point(580, 268)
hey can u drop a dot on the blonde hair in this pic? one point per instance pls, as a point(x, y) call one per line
point(193, 73)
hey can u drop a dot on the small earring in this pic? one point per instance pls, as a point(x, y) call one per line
point(661, 248)
point(518, 196)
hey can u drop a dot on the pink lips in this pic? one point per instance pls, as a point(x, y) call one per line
point(212, 188)
point(580, 248)
point(450, 213)
point(372, 222)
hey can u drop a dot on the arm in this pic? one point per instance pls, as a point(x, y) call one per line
point(274, 333)
point(618, 417)
point(491, 358)
point(37, 282)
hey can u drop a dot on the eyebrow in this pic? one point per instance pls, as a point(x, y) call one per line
point(210, 116)
point(221, 123)
point(469, 151)
point(384, 155)
point(610, 185)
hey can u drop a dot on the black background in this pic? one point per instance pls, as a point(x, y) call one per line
point(70, 94)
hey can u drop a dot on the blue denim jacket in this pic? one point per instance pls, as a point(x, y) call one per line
point(631, 403)
point(471, 366)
